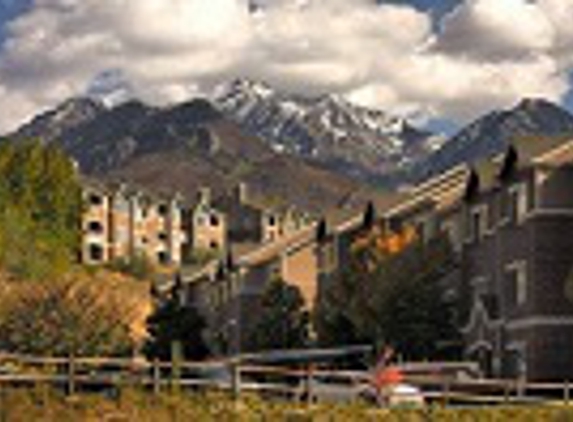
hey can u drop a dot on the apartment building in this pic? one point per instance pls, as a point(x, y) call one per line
point(516, 256)
point(510, 221)
point(119, 222)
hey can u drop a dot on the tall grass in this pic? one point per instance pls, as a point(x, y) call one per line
point(45, 405)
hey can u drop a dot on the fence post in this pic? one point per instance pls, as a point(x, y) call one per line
point(308, 384)
point(235, 379)
point(71, 374)
point(176, 357)
point(156, 375)
point(446, 392)
point(566, 393)
point(506, 386)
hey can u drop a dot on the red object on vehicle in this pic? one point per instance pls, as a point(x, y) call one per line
point(388, 376)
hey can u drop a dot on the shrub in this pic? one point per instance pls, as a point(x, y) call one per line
point(62, 319)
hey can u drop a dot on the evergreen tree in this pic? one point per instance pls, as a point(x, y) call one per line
point(283, 322)
point(173, 322)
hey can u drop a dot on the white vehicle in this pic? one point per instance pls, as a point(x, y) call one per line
point(348, 387)
point(334, 388)
point(402, 395)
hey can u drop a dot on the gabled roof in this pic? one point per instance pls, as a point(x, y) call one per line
point(129, 190)
point(531, 149)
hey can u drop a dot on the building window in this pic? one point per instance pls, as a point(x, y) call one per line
point(517, 278)
point(120, 204)
point(162, 236)
point(163, 257)
point(214, 220)
point(272, 220)
point(517, 203)
point(95, 227)
point(213, 245)
point(477, 223)
point(162, 210)
point(449, 228)
point(95, 200)
point(95, 252)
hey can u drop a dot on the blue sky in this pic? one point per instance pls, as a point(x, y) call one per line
point(429, 60)
point(10, 9)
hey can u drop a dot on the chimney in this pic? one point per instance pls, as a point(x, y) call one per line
point(242, 192)
point(205, 195)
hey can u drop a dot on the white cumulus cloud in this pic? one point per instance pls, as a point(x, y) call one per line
point(484, 54)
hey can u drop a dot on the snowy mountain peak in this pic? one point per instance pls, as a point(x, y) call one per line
point(330, 129)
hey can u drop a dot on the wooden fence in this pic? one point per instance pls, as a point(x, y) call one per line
point(300, 383)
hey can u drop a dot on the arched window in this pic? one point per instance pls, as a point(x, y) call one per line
point(95, 227)
point(95, 199)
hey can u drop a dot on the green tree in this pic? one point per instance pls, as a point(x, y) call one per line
point(173, 322)
point(283, 323)
point(393, 298)
point(65, 318)
point(40, 206)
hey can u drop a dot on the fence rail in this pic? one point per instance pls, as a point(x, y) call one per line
point(74, 374)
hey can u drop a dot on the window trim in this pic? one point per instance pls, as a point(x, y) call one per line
point(521, 282)
point(518, 195)
point(480, 210)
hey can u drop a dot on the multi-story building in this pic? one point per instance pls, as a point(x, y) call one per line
point(118, 222)
point(510, 220)
point(516, 221)
point(209, 226)
point(249, 220)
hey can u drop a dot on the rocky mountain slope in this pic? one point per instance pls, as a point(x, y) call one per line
point(184, 147)
point(364, 143)
point(191, 144)
point(490, 134)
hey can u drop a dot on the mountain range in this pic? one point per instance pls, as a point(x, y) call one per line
point(363, 143)
point(185, 147)
point(491, 133)
point(316, 153)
